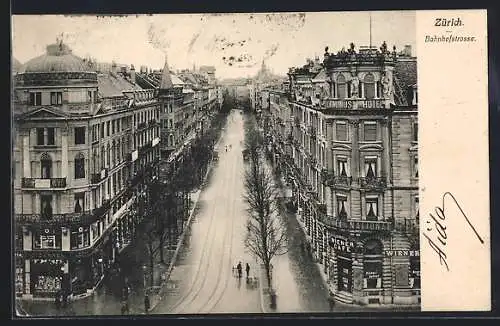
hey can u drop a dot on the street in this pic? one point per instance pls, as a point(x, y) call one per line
point(203, 280)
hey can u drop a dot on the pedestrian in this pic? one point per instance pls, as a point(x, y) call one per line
point(331, 301)
point(146, 303)
point(239, 268)
point(58, 300)
point(125, 309)
point(248, 271)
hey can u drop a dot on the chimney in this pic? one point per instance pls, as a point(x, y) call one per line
point(407, 50)
point(132, 73)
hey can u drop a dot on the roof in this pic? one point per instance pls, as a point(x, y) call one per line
point(16, 65)
point(166, 80)
point(405, 76)
point(58, 58)
point(176, 81)
point(111, 85)
point(321, 76)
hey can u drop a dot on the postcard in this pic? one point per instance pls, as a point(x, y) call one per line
point(250, 163)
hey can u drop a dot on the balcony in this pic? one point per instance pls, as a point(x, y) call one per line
point(354, 104)
point(354, 225)
point(37, 183)
point(407, 226)
point(373, 183)
point(332, 180)
point(69, 219)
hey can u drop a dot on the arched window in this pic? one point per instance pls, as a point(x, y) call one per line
point(341, 87)
point(46, 166)
point(369, 85)
point(79, 166)
point(372, 264)
point(171, 140)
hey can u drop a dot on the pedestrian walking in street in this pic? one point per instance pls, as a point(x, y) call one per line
point(331, 301)
point(125, 308)
point(58, 300)
point(247, 268)
point(239, 268)
point(146, 303)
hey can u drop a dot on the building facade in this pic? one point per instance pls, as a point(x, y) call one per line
point(85, 145)
point(346, 136)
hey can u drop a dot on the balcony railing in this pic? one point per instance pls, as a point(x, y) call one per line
point(353, 104)
point(332, 180)
point(373, 183)
point(357, 225)
point(83, 218)
point(407, 225)
point(38, 183)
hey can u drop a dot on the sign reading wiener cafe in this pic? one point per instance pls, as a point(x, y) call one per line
point(341, 244)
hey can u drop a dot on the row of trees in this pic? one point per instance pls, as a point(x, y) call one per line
point(170, 197)
point(266, 236)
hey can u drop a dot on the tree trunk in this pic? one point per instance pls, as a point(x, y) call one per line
point(151, 270)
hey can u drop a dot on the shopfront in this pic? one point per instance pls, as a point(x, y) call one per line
point(343, 248)
point(46, 277)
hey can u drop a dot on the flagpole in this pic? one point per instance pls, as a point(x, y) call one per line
point(370, 13)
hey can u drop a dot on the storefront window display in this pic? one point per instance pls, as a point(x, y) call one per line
point(47, 239)
point(372, 264)
point(344, 269)
point(46, 276)
point(80, 237)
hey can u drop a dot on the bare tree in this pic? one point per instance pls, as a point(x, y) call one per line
point(152, 248)
point(266, 237)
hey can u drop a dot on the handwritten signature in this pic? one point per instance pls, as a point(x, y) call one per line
point(438, 244)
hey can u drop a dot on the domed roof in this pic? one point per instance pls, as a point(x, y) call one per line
point(57, 59)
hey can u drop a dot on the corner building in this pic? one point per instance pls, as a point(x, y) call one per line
point(348, 143)
point(85, 145)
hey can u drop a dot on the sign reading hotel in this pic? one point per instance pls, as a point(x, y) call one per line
point(354, 104)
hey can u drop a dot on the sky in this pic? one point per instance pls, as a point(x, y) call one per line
point(235, 44)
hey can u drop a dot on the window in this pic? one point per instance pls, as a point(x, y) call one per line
point(341, 130)
point(50, 136)
point(342, 167)
point(370, 131)
point(80, 238)
point(40, 136)
point(79, 135)
point(107, 129)
point(370, 167)
point(102, 130)
point(369, 85)
point(108, 156)
point(45, 136)
point(46, 166)
point(79, 202)
point(415, 166)
point(56, 98)
point(341, 87)
point(46, 206)
point(103, 157)
point(47, 241)
point(415, 132)
point(113, 124)
point(170, 123)
point(36, 98)
point(371, 208)
point(341, 206)
point(79, 166)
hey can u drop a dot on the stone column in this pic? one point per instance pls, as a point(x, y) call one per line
point(26, 156)
point(355, 168)
point(64, 154)
point(386, 154)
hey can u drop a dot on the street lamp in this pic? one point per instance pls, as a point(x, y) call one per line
point(144, 277)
